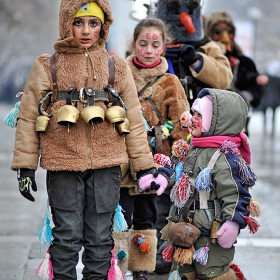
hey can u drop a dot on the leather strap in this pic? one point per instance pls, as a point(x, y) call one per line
point(54, 80)
point(111, 67)
point(158, 136)
point(149, 84)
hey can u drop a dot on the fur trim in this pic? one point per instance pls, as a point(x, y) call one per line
point(190, 275)
point(143, 262)
point(230, 275)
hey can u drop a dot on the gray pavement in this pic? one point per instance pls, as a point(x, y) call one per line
point(257, 255)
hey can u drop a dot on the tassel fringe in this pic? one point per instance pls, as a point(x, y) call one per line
point(115, 272)
point(45, 269)
point(181, 192)
point(201, 255)
point(167, 253)
point(254, 208)
point(174, 275)
point(11, 118)
point(203, 180)
point(184, 256)
point(237, 271)
point(119, 222)
point(248, 177)
point(252, 224)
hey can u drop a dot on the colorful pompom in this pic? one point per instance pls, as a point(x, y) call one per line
point(122, 255)
point(229, 147)
point(162, 159)
point(180, 149)
point(138, 240)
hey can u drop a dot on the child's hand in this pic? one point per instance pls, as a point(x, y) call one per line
point(227, 234)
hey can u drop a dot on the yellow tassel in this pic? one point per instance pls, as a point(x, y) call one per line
point(184, 256)
point(254, 208)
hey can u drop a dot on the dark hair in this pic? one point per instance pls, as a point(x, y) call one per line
point(152, 22)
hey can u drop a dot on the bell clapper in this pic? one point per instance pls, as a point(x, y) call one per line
point(68, 127)
point(94, 77)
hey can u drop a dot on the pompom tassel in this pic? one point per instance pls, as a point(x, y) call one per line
point(247, 175)
point(174, 275)
point(252, 224)
point(167, 253)
point(203, 180)
point(45, 233)
point(180, 149)
point(45, 269)
point(162, 159)
point(122, 255)
point(201, 255)
point(254, 208)
point(11, 118)
point(184, 256)
point(138, 240)
point(237, 271)
point(115, 272)
point(181, 192)
point(119, 222)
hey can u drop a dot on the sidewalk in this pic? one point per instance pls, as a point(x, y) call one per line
point(257, 255)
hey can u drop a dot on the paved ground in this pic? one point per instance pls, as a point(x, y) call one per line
point(257, 255)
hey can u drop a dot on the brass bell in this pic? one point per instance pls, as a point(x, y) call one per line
point(115, 114)
point(93, 114)
point(42, 123)
point(123, 128)
point(67, 115)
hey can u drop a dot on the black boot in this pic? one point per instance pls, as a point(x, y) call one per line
point(162, 267)
point(140, 275)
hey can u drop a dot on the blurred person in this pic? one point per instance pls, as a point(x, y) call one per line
point(192, 56)
point(80, 147)
point(163, 101)
point(246, 79)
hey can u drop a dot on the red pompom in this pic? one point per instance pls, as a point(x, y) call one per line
point(137, 239)
point(144, 248)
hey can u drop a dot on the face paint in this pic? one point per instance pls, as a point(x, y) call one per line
point(195, 122)
point(96, 33)
point(141, 52)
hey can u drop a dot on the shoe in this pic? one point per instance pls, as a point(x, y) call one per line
point(140, 275)
point(162, 267)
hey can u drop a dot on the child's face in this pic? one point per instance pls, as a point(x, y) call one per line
point(148, 46)
point(86, 30)
point(196, 124)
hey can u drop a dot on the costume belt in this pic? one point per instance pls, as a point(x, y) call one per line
point(85, 95)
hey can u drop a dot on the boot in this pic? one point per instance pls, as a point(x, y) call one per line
point(122, 242)
point(140, 275)
point(230, 275)
point(162, 267)
point(138, 261)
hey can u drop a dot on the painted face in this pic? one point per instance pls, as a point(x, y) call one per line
point(86, 30)
point(148, 46)
point(196, 124)
point(224, 33)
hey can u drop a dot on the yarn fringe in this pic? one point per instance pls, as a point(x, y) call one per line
point(184, 256)
point(247, 175)
point(252, 224)
point(201, 255)
point(45, 268)
point(181, 192)
point(254, 208)
point(115, 272)
point(11, 118)
point(45, 234)
point(167, 253)
point(162, 159)
point(174, 275)
point(119, 222)
point(203, 180)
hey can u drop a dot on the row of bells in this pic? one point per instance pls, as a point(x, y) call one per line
point(69, 114)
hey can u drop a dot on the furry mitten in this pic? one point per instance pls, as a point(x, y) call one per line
point(142, 258)
point(189, 276)
point(122, 243)
point(227, 234)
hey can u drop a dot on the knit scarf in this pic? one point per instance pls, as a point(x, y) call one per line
point(241, 140)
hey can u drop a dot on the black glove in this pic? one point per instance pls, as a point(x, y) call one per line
point(26, 179)
point(188, 54)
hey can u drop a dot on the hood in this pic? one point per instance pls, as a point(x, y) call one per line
point(229, 112)
point(67, 11)
point(170, 11)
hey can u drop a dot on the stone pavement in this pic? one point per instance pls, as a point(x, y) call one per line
point(257, 255)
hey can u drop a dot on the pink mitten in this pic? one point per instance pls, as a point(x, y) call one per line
point(227, 234)
point(162, 182)
point(145, 182)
